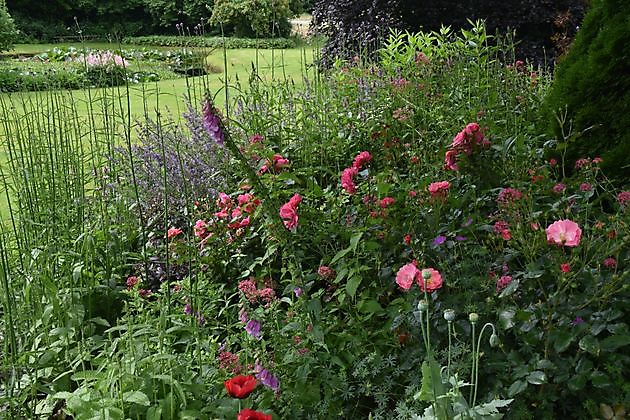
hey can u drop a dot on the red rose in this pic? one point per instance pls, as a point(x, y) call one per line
point(249, 414)
point(240, 386)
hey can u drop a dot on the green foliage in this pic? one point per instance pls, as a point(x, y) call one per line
point(8, 31)
point(253, 18)
point(588, 107)
point(211, 42)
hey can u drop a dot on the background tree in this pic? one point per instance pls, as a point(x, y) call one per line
point(253, 18)
point(593, 87)
point(8, 31)
point(346, 23)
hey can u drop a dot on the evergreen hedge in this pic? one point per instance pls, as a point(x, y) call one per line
point(593, 87)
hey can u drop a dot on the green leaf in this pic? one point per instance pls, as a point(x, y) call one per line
point(589, 344)
point(339, 255)
point(353, 284)
point(562, 340)
point(600, 379)
point(517, 387)
point(614, 342)
point(354, 241)
point(370, 306)
point(136, 397)
point(537, 377)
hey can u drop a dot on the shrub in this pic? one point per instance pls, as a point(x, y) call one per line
point(211, 42)
point(253, 18)
point(8, 32)
point(19, 80)
point(346, 23)
point(588, 107)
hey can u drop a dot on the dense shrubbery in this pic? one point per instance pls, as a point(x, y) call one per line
point(253, 18)
point(8, 32)
point(543, 29)
point(588, 107)
point(211, 42)
point(367, 227)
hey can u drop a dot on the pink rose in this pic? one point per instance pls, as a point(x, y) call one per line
point(564, 233)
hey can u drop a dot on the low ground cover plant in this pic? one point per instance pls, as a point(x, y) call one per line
point(386, 241)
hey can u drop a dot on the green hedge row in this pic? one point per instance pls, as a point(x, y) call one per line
point(211, 42)
point(20, 80)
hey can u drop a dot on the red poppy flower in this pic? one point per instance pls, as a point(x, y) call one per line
point(249, 414)
point(240, 386)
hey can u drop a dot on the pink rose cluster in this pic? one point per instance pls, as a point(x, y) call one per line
point(464, 142)
point(235, 213)
point(409, 273)
point(564, 233)
point(348, 174)
point(439, 189)
point(288, 212)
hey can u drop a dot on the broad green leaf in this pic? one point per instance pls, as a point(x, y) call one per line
point(562, 340)
point(353, 284)
point(517, 387)
point(614, 342)
point(589, 344)
point(537, 377)
point(354, 241)
point(136, 397)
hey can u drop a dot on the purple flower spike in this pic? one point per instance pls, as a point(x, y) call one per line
point(212, 123)
point(253, 329)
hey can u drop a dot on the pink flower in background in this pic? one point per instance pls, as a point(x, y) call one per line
point(553, 162)
point(565, 267)
point(200, 229)
point(450, 160)
point(502, 228)
point(597, 160)
point(407, 239)
point(509, 196)
point(434, 281)
point(386, 202)
point(279, 162)
point(347, 180)
point(623, 197)
point(361, 159)
point(503, 282)
point(406, 275)
point(172, 232)
point(564, 233)
point(256, 138)
point(131, 281)
point(610, 262)
point(585, 186)
point(439, 189)
point(326, 272)
point(559, 188)
point(582, 163)
point(288, 212)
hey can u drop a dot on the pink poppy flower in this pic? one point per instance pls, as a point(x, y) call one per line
point(564, 233)
point(406, 275)
point(433, 283)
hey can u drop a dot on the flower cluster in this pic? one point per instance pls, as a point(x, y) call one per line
point(508, 196)
point(229, 361)
point(502, 228)
point(103, 58)
point(253, 294)
point(439, 189)
point(464, 142)
point(348, 174)
point(428, 278)
point(288, 212)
